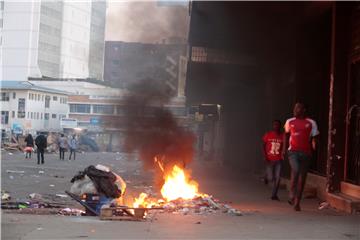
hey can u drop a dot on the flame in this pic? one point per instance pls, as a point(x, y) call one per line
point(178, 185)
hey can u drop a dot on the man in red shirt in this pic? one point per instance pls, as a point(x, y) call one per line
point(272, 149)
point(301, 135)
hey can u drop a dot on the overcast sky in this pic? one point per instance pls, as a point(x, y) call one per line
point(145, 21)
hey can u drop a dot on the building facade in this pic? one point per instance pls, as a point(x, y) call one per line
point(126, 63)
point(26, 107)
point(54, 39)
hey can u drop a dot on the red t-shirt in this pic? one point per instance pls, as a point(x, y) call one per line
point(301, 130)
point(273, 145)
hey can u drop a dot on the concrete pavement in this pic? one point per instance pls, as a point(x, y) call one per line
point(263, 218)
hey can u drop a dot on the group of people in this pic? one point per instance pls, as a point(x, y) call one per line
point(298, 142)
point(41, 144)
point(65, 144)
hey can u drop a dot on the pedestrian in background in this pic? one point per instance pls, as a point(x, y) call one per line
point(73, 146)
point(41, 144)
point(62, 142)
point(301, 133)
point(29, 145)
point(272, 150)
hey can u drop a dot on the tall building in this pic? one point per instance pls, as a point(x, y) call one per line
point(58, 39)
point(129, 62)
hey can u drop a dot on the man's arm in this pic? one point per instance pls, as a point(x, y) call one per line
point(286, 144)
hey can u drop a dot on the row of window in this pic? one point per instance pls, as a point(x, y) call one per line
point(37, 115)
point(30, 115)
point(40, 97)
point(5, 96)
point(120, 110)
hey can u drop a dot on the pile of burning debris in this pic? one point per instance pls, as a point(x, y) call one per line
point(101, 192)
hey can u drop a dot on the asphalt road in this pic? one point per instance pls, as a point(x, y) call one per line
point(262, 219)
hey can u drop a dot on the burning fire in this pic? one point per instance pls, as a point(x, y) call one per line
point(178, 185)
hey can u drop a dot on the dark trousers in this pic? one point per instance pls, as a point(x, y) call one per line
point(71, 152)
point(299, 163)
point(27, 154)
point(273, 170)
point(40, 153)
point(62, 153)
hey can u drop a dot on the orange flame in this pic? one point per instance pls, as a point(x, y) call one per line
point(178, 185)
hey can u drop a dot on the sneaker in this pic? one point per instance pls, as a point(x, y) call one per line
point(291, 201)
point(275, 198)
point(297, 208)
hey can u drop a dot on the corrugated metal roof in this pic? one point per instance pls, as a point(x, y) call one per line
point(26, 85)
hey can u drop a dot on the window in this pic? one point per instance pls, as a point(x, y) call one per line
point(4, 117)
point(37, 115)
point(5, 96)
point(53, 115)
point(42, 97)
point(14, 95)
point(54, 98)
point(46, 116)
point(21, 108)
point(47, 102)
point(103, 109)
point(38, 97)
point(80, 108)
point(32, 115)
point(13, 114)
point(41, 116)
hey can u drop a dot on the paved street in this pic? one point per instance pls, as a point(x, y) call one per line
point(262, 219)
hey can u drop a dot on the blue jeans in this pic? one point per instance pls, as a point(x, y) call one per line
point(273, 170)
point(299, 163)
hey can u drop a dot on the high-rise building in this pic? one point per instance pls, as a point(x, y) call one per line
point(57, 39)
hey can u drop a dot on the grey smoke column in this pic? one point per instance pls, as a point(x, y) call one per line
point(148, 22)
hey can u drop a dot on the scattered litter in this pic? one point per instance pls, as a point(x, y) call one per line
point(324, 205)
point(51, 185)
point(198, 223)
point(35, 196)
point(185, 211)
point(13, 171)
point(61, 195)
point(71, 212)
point(39, 229)
point(5, 196)
point(10, 153)
point(41, 172)
point(234, 212)
point(11, 177)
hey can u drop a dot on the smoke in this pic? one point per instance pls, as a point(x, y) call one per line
point(147, 22)
point(151, 129)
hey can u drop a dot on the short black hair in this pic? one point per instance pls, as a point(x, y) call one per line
point(277, 120)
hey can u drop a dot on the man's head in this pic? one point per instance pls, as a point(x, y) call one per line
point(61, 135)
point(276, 125)
point(299, 110)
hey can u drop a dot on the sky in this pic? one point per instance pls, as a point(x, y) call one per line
point(146, 21)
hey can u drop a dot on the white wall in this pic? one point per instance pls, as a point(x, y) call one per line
point(75, 41)
point(20, 40)
point(35, 106)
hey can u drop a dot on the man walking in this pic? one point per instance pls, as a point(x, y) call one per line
point(41, 144)
point(73, 146)
point(272, 149)
point(301, 135)
point(62, 146)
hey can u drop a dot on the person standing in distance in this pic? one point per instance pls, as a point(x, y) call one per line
point(41, 144)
